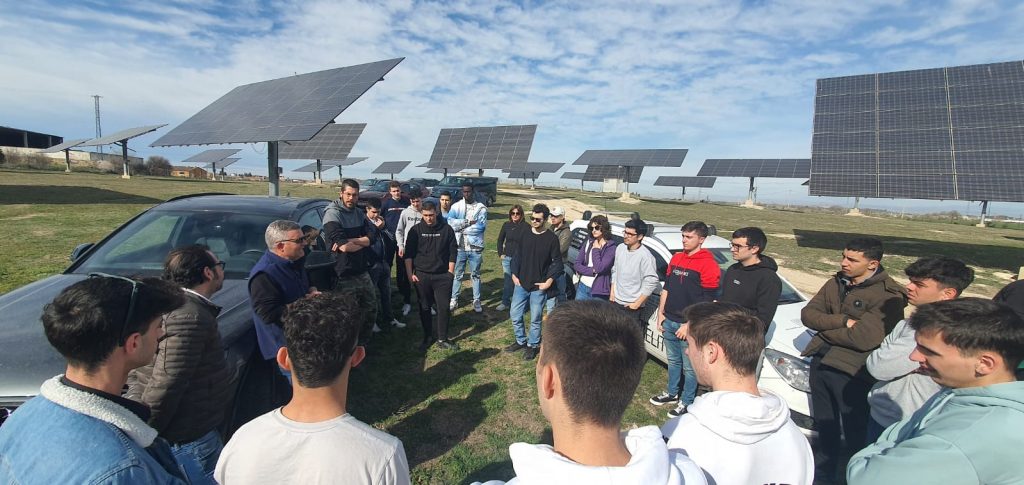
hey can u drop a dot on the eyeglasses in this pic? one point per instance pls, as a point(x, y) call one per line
point(298, 240)
point(630, 234)
point(131, 302)
point(737, 246)
point(222, 264)
point(537, 219)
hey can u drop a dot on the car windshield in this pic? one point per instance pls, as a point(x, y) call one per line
point(381, 186)
point(455, 181)
point(140, 247)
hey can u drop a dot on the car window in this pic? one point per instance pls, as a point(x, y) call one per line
point(381, 186)
point(312, 218)
point(724, 259)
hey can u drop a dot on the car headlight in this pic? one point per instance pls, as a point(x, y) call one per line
point(793, 370)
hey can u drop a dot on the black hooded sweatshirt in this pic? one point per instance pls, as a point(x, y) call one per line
point(431, 248)
point(756, 287)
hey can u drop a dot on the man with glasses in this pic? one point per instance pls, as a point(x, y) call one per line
point(188, 385)
point(752, 282)
point(468, 219)
point(561, 229)
point(392, 207)
point(349, 232)
point(430, 262)
point(536, 266)
point(277, 279)
point(634, 274)
point(79, 429)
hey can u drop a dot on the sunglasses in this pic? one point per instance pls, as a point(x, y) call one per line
point(595, 228)
point(515, 213)
point(222, 264)
point(131, 302)
point(537, 219)
point(630, 234)
point(298, 240)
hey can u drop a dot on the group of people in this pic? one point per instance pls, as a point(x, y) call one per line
point(931, 398)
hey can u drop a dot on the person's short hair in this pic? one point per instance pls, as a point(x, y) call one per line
point(601, 221)
point(444, 193)
point(734, 328)
point(393, 184)
point(754, 235)
point(89, 319)
point(467, 184)
point(696, 226)
point(543, 209)
point(947, 272)
point(278, 231)
point(321, 333)
point(428, 206)
point(599, 352)
point(972, 325)
point(514, 208)
point(349, 183)
point(871, 247)
point(373, 202)
point(184, 266)
point(415, 196)
point(637, 225)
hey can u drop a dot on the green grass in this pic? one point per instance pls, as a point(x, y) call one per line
point(456, 413)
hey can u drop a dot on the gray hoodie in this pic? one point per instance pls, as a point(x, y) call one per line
point(410, 217)
point(899, 391)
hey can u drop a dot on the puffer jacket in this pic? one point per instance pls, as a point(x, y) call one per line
point(876, 304)
point(188, 385)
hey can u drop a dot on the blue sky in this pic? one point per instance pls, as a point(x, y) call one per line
point(723, 79)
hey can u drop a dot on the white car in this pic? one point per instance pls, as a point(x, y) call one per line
point(784, 372)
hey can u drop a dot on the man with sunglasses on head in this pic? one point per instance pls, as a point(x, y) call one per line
point(634, 274)
point(536, 265)
point(188, 385)
point(752, 281)
point(468, 219)
point(277, 279)
point(79, 429)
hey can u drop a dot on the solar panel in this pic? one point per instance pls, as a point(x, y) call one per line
point(391, 167)
point(946, 133)
point(756, 167)
point(437, 170)
point(122, 135)
point(484, 147)
point(293, 108)
point(64, 146)
point(633, 158)
point(674, 181)
point(573, 175)
point(221, 163)
point(312, 167)
point(598, 173)
point(334, 142)
point(537, 167)
point(210, 156)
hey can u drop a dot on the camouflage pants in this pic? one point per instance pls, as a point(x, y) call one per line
point(363, 289)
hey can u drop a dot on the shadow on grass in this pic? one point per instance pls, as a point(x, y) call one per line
point(444, 423)
point(974, 254)
point(65, 194)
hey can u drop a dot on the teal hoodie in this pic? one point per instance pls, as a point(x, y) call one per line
point(960, 436)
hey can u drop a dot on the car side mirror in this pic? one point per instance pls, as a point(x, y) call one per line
point(80, 250)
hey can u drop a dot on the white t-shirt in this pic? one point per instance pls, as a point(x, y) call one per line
point(274, 449)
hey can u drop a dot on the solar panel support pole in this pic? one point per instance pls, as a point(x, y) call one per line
point(750, 193)
point(682, 193)
point(124, 154)
point(272, 173)
point(67, 160)
point(317, 177)
point(984, 212)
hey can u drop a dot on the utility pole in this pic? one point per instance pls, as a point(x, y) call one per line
point(99, 130)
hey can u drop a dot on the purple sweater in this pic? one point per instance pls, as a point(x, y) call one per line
point(603, 259)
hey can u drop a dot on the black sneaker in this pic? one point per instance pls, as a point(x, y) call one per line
point(515, 347)
point(664, 398)
point(447, 345)
point(678, 411)
point(530, 353)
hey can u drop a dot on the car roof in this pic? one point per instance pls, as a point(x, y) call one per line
point(278, 206)
point(668, 234)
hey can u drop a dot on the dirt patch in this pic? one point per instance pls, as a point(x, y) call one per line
point(807, 283)
point(783, 236)
point(21, 217)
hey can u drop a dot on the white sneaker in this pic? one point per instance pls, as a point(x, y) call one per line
point(454, 303)
point(433, 311)
point(405, 309)
point(501, 307)
point(477, 307)
point(395, 323)
point(376, 329)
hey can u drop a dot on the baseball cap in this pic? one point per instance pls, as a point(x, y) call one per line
point(558, 211)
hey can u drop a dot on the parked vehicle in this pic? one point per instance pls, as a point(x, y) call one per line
point(379, 190)
point(428, 183)
point(485, 188)
point(785, 372)
point(232, 226)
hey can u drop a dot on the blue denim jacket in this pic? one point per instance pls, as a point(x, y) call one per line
point(474, 230)
point(66, 435)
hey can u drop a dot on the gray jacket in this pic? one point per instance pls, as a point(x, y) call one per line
point(900, 391)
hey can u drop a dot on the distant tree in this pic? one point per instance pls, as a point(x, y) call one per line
point(138, 168)
point(3, 158)
point(157, 165)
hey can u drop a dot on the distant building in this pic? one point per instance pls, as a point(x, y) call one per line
point(17, 137)
point(189, 172)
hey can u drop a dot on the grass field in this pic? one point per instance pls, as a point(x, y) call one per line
point(457, 412)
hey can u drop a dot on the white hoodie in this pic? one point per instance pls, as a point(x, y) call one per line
point(740, 438)
point(651, 464)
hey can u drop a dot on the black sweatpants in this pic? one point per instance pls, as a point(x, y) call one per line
point(434, 289)
point(404, 287)
point(839, 404)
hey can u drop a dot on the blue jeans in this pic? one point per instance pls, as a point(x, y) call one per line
point(508, 287)
point(678, 363)
point(519, 299)
point(475, 258)
point(583, 292)
point(202, 452)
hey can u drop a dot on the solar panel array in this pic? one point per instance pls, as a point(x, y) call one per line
point(484, 147)
point(536, 167)
point(312, 167)
point(573, 175)
point(122, 135)
point(391, 167)
point(292, 108)
point(334, 142)
point(598, 173)
point(221, 163)
point(210, 156)
point(64, 146)
point(436, 170)
point(756, 167)
point(676, 181)
point(945, 133)
point(633, 158)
